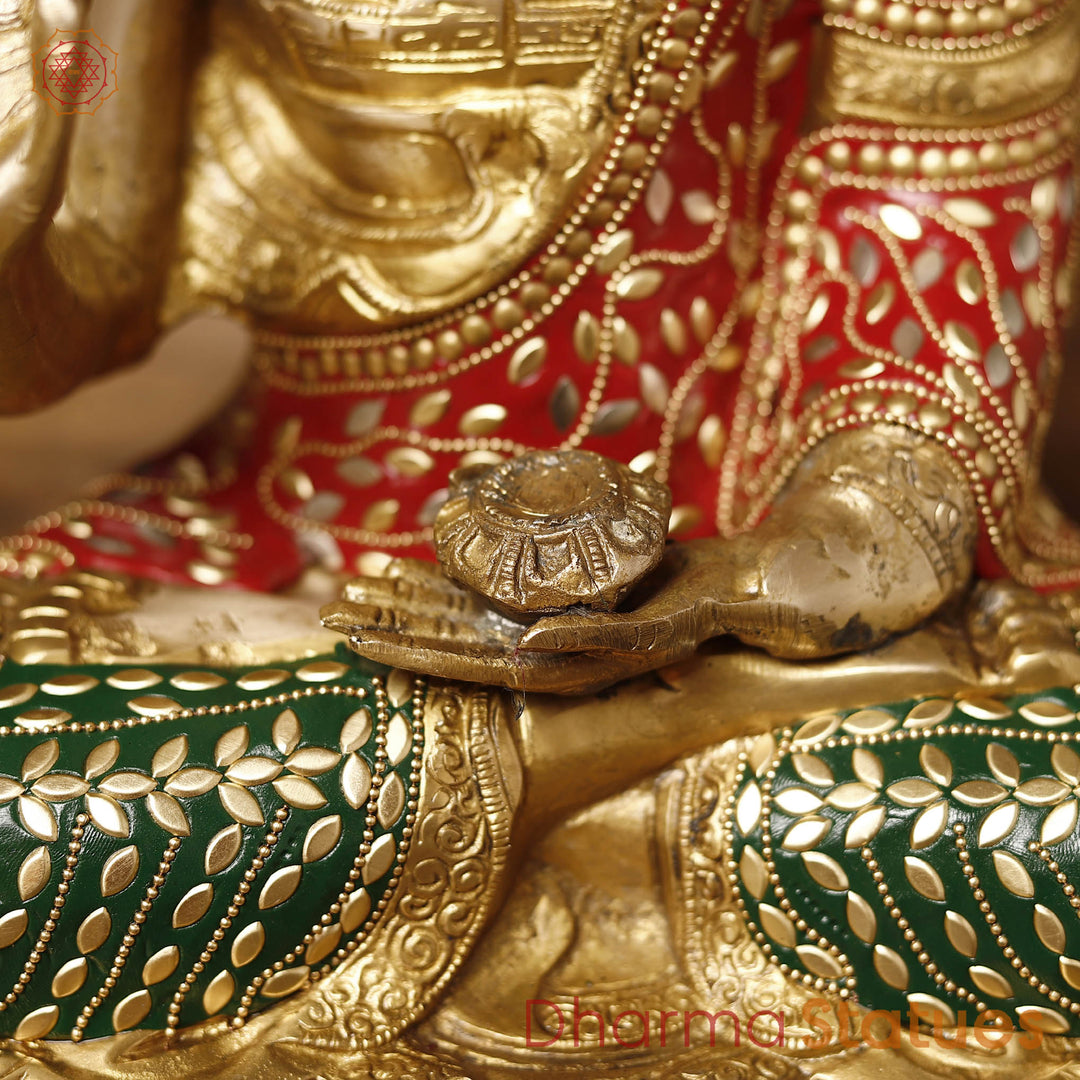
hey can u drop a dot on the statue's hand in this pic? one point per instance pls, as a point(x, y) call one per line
point(417, 618)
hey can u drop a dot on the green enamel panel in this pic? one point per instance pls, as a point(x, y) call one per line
point(285, 755)
point(950, 845)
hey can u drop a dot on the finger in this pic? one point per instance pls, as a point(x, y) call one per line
point(492, 670)
point(428, 623)
point(541, 673)
point(411, 591)
point(605, 633)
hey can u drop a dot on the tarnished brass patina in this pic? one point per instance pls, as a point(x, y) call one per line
point(552, 530)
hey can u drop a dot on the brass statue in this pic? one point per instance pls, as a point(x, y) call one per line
point(541, 282)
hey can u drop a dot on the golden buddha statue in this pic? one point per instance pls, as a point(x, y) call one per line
point(569, 799)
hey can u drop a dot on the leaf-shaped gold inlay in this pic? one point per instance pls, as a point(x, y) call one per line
point(70, 977)
point(639, 284)
point(398, 739)
point(1059, 824)
point(248, 944)
point(322, 838)
point(1070, 971)
point(231, 746)
point(168, 813)
point(961, 934)
point(34, 873)
point(761, 753)
point(154, 705)
point(254, 770)
point(280, 886)
point(983, 708)
point(380, 858)
point(262, 679)
point(924, 879)
point(320, 671)
point(900, 221)
point(998, 824)
point(430, 409)
point(193, 905)
point(1039, 1018)
point(1013, 874)
point(747, 809)
point(777, 925)
point(40, 760)
point(218, 992)
point(355, 912)
point(300, 792)
point(528, 358)
point(94, 930)
point(1041, 791)
point(970, 212)
point(312, 761)
point(1066, 763)
point(816, 730)
point(818, 962)
point(861, 917)
point(37, 818)
point(161, 965)
point(240, 804)
point(979, 793)
point(1047, 713)
point(891, 967)
point(119, 870)
point(613, 249)
point(812, 769)
point(356, 731)
point(286, 731)
point(169, 756)
point(283, 983)
point(399, 687)
point(9, 789)
point(190, 783)
point(101, 759)
point(127, 785)
point(59, 787)
point(391, 801)
point(224, 846)
point(754, 873)
point(912, 792)
point(797, 801)
point(961, 340)
point(13, 926)
point(931, 1010)
point(108, 815)
point(990, 981)
point(1049, 928)
point(864, 826)
point(326, 941)
point(37, 1024)
point(851, 796)
point(825, 870)
point(132, 1011)
point(867, 767)
point(195, 681)
point(869, 722)
point(936, 764)
point(929, 824)
point(879, 302)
